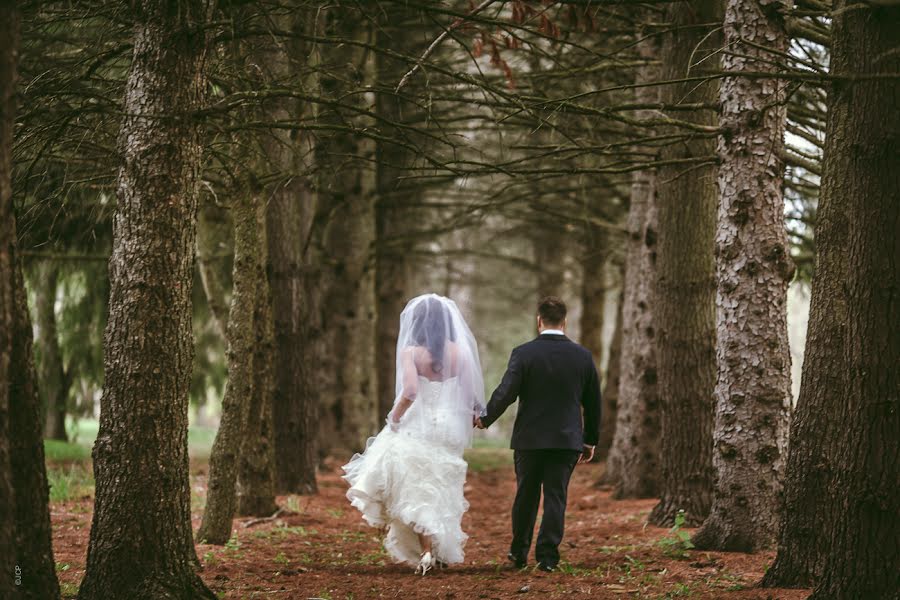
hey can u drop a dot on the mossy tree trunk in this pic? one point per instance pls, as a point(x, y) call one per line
point(224, 460)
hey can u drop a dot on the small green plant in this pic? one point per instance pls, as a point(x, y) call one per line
point(209, 558)
point(68, 590)
point(280, 558)
point(62, 567)
point(681, 590)
point(336, 513)
point(233, 545)
point(678, 542)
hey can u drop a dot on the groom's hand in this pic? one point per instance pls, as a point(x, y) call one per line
point(587, 454)
point(476, 422)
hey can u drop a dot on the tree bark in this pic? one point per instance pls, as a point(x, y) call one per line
point(753, 268)
point(224, 460)
point(34, 550)
point(633, 463)
point(26, 550)
point(685, 291)
point(293, 287)
point(256, 475)
point(9, 46)
point(808, 512)
point(55, 388)
point(346, 190)
point(141, 545)
point(859, 253)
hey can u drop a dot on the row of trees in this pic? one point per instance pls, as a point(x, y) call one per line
point(327, 190)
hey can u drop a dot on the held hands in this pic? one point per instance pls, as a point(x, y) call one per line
point(476, 422)
point(587, 454)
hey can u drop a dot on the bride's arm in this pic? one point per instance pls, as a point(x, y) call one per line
point(410, 386)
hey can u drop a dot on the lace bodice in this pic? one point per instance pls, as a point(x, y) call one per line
point(439, 414)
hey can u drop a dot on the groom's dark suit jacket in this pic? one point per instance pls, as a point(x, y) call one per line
point(554, 379)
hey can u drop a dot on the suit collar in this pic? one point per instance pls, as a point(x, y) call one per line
point(552, 336)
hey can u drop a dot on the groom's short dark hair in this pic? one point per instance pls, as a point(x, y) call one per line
point(552, 310)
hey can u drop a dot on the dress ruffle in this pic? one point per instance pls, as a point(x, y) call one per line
point(411, 487)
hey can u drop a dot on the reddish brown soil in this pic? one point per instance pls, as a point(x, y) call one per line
point(326, 551)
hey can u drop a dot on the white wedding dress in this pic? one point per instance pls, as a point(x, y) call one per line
point(410, 478)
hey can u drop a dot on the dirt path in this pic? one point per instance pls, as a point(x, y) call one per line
point(326, 551)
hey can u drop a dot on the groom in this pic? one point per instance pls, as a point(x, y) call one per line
point(555, 381)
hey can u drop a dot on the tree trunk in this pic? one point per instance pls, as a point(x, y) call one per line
point(633, 463)
point(141, 545)
point(611, 390)
point(288, 221)
point(295, 413)
point(55, 384)
point(593, 295)
point(753, 269)
point(29, 475)
point(346, 190)
point(548, 244)
point(9, 42)
point(26, 551)
point(685, 291)
point(212, 230)
point(224, 460)
point(860, 535)
point(256, 475)
point(808, 512)
point(395, 196)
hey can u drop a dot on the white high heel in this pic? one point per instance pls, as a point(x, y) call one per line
point(425, 564)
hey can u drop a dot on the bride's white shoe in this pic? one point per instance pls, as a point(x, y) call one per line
point(426, 563)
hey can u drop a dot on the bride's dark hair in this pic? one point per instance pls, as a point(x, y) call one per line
point(432, 328)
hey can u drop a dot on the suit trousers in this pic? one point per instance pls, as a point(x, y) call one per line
point(549, 469)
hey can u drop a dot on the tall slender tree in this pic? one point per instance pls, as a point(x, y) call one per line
point(840, 526)
point(753, 269)
point(346, 184)
point(224, 460)
point(53, 374)
point(291, 202)
point(633, 463)
point(400, 30)
point(256, 474)
point(685, 291)
point(610, 395)
point(141, 543)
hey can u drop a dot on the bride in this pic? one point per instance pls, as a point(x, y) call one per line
point(410, 477)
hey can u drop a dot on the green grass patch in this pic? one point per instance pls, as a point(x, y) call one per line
point(70, 482)
point(83, 432)
point(487, 459)
point(59, 451)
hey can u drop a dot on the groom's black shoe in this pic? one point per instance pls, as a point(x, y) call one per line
point(546, 567)
point(518, 562)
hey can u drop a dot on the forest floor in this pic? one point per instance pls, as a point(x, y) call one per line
point(324, 550)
